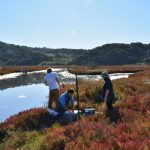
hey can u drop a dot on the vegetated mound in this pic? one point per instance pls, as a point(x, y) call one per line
point(33, 119)
point(96, 132)
point(37, 119)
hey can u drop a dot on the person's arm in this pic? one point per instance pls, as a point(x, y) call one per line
point(45, 81)
point(106, 94)
point(56, 78)
point(57, 81)
point(64, 107)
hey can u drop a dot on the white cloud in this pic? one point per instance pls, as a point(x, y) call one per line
point(21, 96)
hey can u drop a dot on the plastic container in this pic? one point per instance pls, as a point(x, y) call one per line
point(89, 111)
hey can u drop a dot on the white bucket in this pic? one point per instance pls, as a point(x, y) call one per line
point(69, 116)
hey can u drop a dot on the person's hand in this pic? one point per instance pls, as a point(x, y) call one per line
point(62, 85)
point(70, 110)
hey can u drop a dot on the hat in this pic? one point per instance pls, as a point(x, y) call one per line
point(104, 75)
point(71, 90)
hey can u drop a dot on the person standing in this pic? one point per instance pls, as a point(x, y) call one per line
point(51, 80)
point(107, 91)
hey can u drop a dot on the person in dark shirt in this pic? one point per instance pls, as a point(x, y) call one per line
point(107, 91)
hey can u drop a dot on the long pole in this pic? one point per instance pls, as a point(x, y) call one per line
point(77, 90)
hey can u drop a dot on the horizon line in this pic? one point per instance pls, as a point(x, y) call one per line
point(73, 48)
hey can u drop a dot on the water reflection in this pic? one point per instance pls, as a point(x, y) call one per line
point(32, 78)
point(23, 79)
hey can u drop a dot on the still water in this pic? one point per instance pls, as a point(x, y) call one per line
point(19, 92)
point(14, 100)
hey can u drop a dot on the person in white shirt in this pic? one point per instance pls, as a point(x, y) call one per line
point(51, 80)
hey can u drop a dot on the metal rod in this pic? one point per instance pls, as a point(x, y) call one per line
point(77, 90)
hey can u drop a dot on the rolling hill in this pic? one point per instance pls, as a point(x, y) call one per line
point(109, 54)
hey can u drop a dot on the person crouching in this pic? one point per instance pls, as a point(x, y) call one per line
point(64, 100)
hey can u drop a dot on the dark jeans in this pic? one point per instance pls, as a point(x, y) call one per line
point(109, 104)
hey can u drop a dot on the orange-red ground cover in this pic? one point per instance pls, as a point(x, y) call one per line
point(128, 127)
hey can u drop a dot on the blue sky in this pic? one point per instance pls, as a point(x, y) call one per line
point(74, 23)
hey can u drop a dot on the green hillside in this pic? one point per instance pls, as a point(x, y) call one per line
point(109, 54)
point(21, 55)
point(116, 54)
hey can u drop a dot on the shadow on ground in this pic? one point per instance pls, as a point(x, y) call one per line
point(113, 115)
